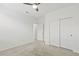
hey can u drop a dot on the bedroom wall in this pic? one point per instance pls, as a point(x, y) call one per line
point(53, 18)
point(15, 28)
point(51, 27)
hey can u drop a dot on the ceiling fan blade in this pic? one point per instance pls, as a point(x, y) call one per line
point(28, 3)
point(36, 3)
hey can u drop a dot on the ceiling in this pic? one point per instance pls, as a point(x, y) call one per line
point(44, 8)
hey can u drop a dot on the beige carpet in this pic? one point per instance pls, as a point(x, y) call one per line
point(37, 48)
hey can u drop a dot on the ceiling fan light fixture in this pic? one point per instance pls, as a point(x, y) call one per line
point(35, 6)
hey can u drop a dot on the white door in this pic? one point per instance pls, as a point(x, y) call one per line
point(66, 33)
point(35, 31)
point(40, 32)
point(54, 34)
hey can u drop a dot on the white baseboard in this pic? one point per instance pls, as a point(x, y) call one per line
point(75, 51)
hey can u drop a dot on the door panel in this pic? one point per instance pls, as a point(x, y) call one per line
point(75, 33)
point(35, 31)
point(40, 32)
point(46, 34)
point(54, 33)
point(66, 33)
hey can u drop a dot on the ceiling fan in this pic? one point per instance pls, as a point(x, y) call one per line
point(34, 5)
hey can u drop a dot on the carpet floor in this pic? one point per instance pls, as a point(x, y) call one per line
point(37, 48)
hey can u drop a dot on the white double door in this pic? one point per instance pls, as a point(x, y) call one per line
point(61, 33)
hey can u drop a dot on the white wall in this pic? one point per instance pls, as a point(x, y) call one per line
point(52, 20)
point(51, 30)
point(15, 28)
point(41, 20)
point(40, 25)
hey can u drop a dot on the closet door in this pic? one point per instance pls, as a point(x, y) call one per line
point(66, 33)
point(76, 33)
point(46, 34)
point(54, 33)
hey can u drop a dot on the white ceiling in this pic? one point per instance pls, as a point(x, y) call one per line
point(44, 8)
